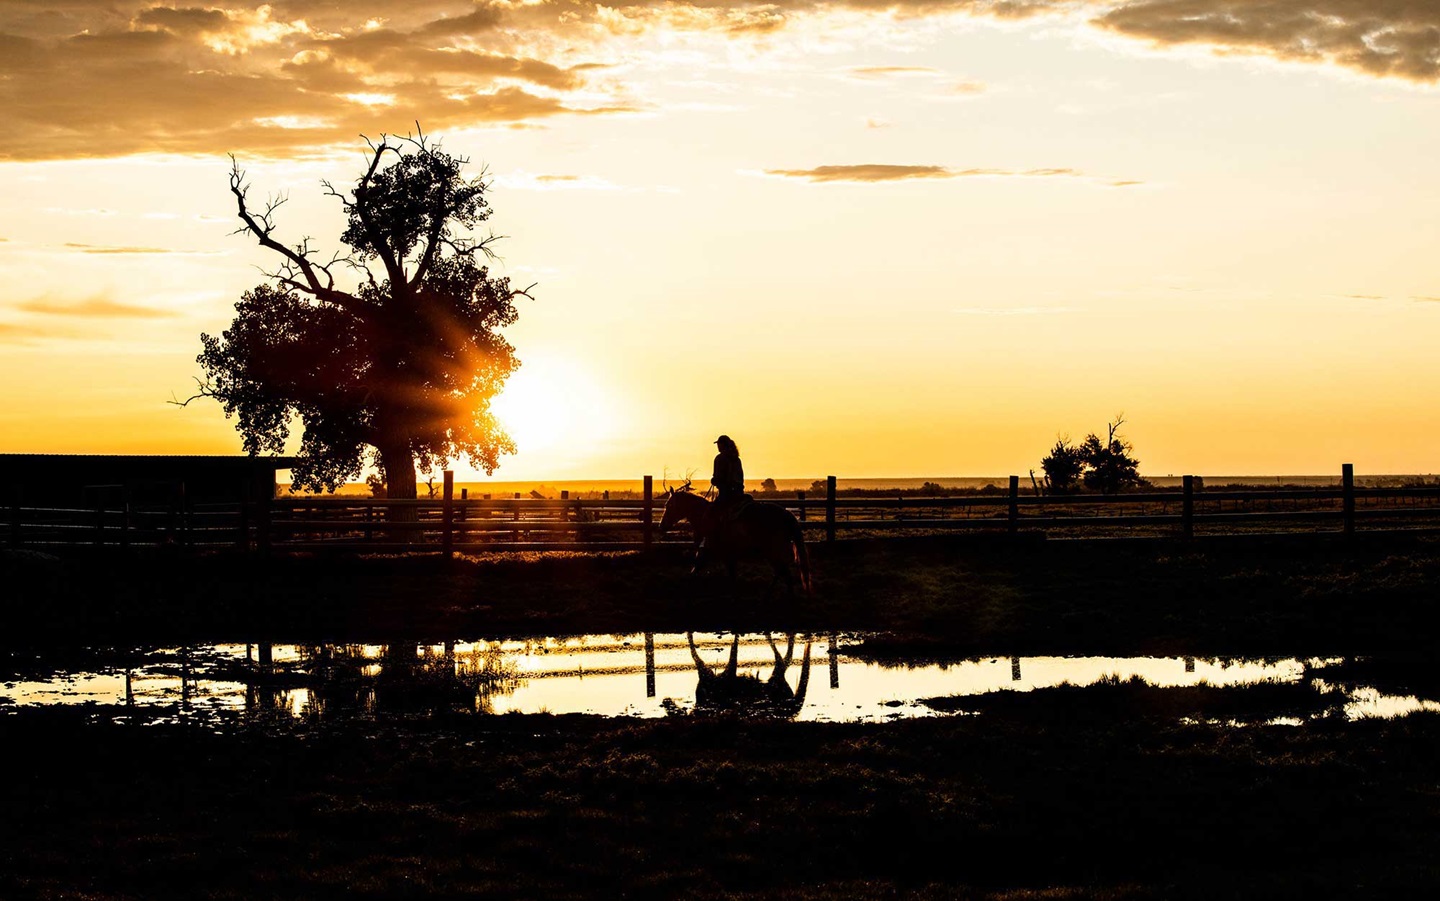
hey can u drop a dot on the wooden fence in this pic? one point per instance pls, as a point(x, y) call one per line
point(451, 524)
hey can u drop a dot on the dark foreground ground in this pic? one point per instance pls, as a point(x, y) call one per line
point(1116, 791)
point(1310, 595)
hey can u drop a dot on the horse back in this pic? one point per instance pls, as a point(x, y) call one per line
point(765, 519)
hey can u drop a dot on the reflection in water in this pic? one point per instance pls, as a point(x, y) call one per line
point(646, 675)
point(731, 691)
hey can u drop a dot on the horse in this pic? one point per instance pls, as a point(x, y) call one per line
point(766, 529)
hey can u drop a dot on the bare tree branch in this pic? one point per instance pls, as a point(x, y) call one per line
point(299, 263)
point(205, 389)
point(393, 269)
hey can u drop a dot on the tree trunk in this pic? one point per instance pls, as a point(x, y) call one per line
point(400, 477)
point(400, 480)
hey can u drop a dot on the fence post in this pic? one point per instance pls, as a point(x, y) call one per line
point(1187, 509)
point(99, 523)
point(1347, 487)
point(262, 522)
point(800, 496)
point(649, 510)
point(447, 516)
point(15, 517)
point(649, 664)
point(186, 539)
point(829, 508)
point(242, 540)
point(1012, 515)
point(125, 518)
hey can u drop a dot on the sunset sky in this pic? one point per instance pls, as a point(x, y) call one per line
point(863, 238)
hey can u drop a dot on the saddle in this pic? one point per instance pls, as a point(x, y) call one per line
point(730, 511)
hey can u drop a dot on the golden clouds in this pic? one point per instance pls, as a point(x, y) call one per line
point(864, 172)
point(91, 308)
point(48, 317)
point(96, 78)
point(1397, 38)
point(883, 172)
point(874, 72)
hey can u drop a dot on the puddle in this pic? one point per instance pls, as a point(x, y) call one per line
point(641, 675)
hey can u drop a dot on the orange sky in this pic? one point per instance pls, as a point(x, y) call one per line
point(867, 239)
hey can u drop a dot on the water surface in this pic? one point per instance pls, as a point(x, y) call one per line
point(641, 675)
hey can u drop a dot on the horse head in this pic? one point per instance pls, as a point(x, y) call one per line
point(680, 503)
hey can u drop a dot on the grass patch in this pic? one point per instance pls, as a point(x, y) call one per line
point(1113, 698)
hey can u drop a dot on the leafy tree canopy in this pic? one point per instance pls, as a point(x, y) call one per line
point(1101, 465)
point(401, 368)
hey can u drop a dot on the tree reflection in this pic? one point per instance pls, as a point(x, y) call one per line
point(405, 679)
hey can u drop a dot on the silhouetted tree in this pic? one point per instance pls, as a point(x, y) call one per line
point(399, 370)
point(1108, 465)
point(768, 485)
point(1104, 466)
point(1063, 467)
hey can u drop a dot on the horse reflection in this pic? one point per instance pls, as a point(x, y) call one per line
point(732, 692)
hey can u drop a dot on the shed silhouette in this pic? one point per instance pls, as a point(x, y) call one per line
point(64, 479)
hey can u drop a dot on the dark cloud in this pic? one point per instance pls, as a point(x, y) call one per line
point(1398, 38)
point(483, 18)
point(185, 21)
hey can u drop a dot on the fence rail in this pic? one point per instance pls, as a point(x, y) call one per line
point(449, 524)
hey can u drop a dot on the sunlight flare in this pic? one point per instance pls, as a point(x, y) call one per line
point(551, 404)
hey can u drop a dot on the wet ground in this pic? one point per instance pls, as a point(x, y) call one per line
point(1014, 722)
point(802, 677)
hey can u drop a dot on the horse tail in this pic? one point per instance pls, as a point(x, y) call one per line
point(802, 556)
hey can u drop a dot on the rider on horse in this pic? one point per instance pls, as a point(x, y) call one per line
point(729, 475)
point(728, 480)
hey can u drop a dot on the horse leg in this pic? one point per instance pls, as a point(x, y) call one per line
point(775, 578)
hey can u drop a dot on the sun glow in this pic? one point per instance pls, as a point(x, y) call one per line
point(551, 405)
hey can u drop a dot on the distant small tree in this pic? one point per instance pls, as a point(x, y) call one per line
point(932, 489)
point(1108, 465)
point(1100, 465)
point(768, 485)
point(1063, 467)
